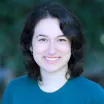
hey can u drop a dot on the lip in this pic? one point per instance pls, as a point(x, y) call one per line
point(51, 61)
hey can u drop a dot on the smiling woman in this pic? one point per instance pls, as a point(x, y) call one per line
point(51, 25)
point(52, 42)
point(50, 52)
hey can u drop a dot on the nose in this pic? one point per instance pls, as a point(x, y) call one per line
point(51, 48)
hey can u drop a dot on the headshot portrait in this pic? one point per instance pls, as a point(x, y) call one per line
point(52, 43)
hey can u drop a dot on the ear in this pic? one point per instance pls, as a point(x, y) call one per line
point(31, 48)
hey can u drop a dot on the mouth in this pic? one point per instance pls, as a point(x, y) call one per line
point(51, 59)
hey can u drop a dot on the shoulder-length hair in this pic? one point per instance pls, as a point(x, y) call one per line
point(70, 26)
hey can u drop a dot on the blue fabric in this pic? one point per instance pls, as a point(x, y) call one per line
point(78, 90)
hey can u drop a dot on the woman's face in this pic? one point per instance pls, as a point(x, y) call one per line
point(51, 49)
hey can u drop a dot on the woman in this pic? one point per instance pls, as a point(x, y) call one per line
point(52, 43)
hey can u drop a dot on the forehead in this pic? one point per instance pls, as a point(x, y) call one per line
point(49, 27)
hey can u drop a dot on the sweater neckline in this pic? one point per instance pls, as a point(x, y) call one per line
point(61, 89)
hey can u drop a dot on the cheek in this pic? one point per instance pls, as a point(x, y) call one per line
point(38, 48)
point(64, 48)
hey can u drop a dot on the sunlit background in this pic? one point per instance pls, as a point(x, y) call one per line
point(12, 17)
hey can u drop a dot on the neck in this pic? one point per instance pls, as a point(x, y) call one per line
point(53, 80)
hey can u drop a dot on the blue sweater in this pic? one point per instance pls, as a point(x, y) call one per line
point(77, 90)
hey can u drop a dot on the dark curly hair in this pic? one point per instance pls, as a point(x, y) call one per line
point(70, 26)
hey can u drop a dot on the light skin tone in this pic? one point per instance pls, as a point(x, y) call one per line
point(51, 51)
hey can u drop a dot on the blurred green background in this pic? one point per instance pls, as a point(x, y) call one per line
point(12, 17)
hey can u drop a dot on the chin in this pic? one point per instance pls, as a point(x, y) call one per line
point(50, 70)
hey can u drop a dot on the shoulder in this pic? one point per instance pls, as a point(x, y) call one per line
point(19, 80)
point(20, 83)
point(85, 82)
point(90, 85)
point(18, 88)
point(95, 92)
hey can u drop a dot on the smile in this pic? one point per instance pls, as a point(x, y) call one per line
point(51, 59)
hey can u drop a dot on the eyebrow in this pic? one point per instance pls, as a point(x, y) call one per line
point(46, 35)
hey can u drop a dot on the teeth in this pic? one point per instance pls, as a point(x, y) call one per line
point(52, 59)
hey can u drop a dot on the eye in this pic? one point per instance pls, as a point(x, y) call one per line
point(42, 40)
point(62, 40)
